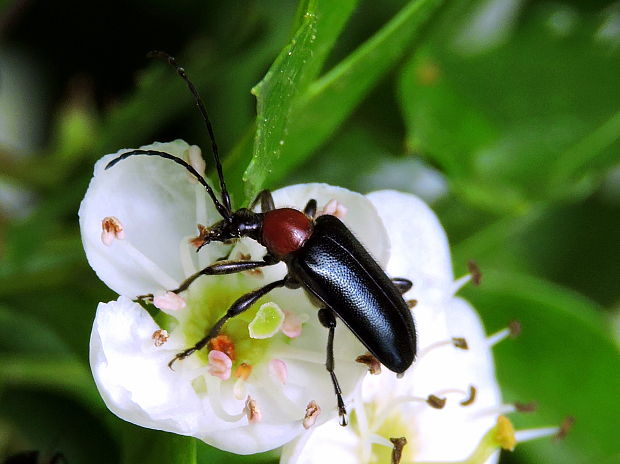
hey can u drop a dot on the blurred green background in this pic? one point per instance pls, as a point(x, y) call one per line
point(503, 114)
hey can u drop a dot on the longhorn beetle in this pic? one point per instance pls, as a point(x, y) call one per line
point(322, 257)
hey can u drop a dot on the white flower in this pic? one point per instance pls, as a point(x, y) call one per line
point(248, 393)
point(448, 404)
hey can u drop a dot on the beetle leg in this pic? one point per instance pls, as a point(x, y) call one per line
point(328, 320)
point(240, 305)
point(219, 268)
point(310, 209)
point(266, 201)
point(403, 285)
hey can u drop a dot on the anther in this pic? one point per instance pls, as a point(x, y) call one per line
point(243, 371)
point(111, 228)
point(412, 303)
point(278, 369)
point(251, 411)
point(196, 160)
point(513, 330)
point(435, 402)
point(291, 327)
point(525, 407)
point(474, 271)
point(220, 365)
point(457, 342)
point(160, 337)
point(334, 208)
point(505, 434)
point(201, 239)
point(373, 364)
point(312, 413)
point(397, 452)
point(224, 344)
point(169, 301)
point(471, 398)
point(565, 427)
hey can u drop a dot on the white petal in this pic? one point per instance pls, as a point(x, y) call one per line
point(361, 218)
point(131, 373)
point(157, 206)
point(419, 243)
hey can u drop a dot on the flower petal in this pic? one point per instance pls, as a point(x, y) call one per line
point(420, 245)
point(158, 208)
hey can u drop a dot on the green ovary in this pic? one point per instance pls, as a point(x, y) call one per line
point(210, 300)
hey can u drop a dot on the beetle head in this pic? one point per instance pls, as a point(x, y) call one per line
point(242, 223)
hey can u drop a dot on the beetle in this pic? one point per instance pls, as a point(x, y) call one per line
point(322, 257)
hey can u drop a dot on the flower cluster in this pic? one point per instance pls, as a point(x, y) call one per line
point(262, 382)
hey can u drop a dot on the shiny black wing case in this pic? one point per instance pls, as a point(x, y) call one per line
point(335, 267)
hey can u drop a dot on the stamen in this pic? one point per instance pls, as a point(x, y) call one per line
point(513, 330)
point(220, 365)
point(565, 427)
point(160, 337)
point(397, 452)
point(436, 402)
point(278, 369)
point(507, 409)
point(457, 342)
point(111, 229)
point(472, 396)
point(412, 303)
point(169, 301)
point(215, 400)
point(243, 371)
point(474, 271)
point(239, 390)
point(312, 413)
point(251, 411)
point(224, 344)
point(374, 366)
point(158, 274)
point(291, 327)
point(460, 283)
point(334, 208)
point(532, 406)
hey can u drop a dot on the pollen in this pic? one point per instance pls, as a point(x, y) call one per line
point(160, 337)
point(312, 413)
point(111, 229)
point(169, 301)
point(224, 344)
point(251, 411)
point(505, 433)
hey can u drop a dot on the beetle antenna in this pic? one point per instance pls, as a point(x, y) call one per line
point(203, 110)
point(225, 213)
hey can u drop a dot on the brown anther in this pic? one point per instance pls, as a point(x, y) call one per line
point(435, 402)
point(412, 303)
point(111, 228)
point(397, 452)
point(565, 427)
point(243, 371)
point(202, 238)
point(224, 344)
point(160, 337)
point(460, 342)
point(374, 366)
point(526, 407)
point(255, 272)
point(471, 398)
point(251, 410)
point(515, 328)
point(312, 412)
point(474, 272)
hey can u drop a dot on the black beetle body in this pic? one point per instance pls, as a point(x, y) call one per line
point(335, 268)
point(322, 256)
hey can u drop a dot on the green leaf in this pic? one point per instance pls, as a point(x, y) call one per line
point(531, 118)
point(565, 359)
point(314, 114)
point(143, 445)
point(288, 78)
